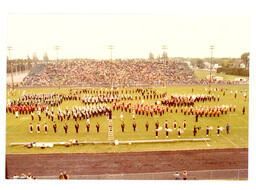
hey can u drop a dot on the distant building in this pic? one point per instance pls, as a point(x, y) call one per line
point(216, 78)
point(242, 65)
point(216, 66)
point(207, 65)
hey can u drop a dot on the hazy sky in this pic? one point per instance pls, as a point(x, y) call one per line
point(89, 36)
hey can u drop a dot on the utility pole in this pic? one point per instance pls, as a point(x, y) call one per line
point(211, 48)
point(9, 59)
point(164, 48)
point(111, 47)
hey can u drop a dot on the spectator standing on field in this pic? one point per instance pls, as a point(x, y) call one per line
point(65, 175)
point(29, 176)
point(227, 128)
point(15, 176)
point(177, 175)
point(185, 175)
point(61, 176)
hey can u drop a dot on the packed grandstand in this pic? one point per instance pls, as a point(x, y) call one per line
point(106, 73)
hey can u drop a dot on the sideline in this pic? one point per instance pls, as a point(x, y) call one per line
point(194, 174)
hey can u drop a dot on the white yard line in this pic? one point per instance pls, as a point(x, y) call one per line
point(235, 127)
point(242, 119)
point(231, 142)
point(206, 141)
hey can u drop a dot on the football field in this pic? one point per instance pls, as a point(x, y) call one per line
point(17, 129)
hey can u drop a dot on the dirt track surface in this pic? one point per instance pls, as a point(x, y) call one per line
point(126, 163)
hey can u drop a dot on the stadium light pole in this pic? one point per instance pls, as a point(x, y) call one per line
point(57, 52)
point(57, 59)
point(164, 48)
point(211, 48)
point(9, 58)
point(111, 47)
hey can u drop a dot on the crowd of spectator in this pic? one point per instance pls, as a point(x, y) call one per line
point(65, 176)
point(107, 73)
point(23, 176)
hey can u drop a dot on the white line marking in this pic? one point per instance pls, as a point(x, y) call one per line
point(231, 142)
point(146, 173)
point(226, 138)
point(205, 140)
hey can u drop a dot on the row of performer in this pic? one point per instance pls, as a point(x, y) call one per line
point(157, 130)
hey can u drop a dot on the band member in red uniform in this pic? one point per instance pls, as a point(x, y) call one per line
point(133, 116)
point(54, 127)
point(234, 108)
point(39, 115)
point(166, 128)
point(52, 116)
point(207, 130)
point(179, 132)
point(157, 124)
point(77, 127)
point(157, 128)
point(121, 116)
point(45, 128)
point(31, 128)
point(88, 127)
point(218, 130)
point(184, 124)
point(122, 126)
point(65, 128)
point(147, 125)
point(243, 110)
point(166, 124)
point(195, 130)
point(32, 116)
point(17, 114)
point(134, 126)
point(98, 127)
point(38, 128)
point(174, 124)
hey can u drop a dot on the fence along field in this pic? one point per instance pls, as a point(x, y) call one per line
point(17, 129)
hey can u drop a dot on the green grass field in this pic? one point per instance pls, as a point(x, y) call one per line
point(17, 130)
point(202, 75)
